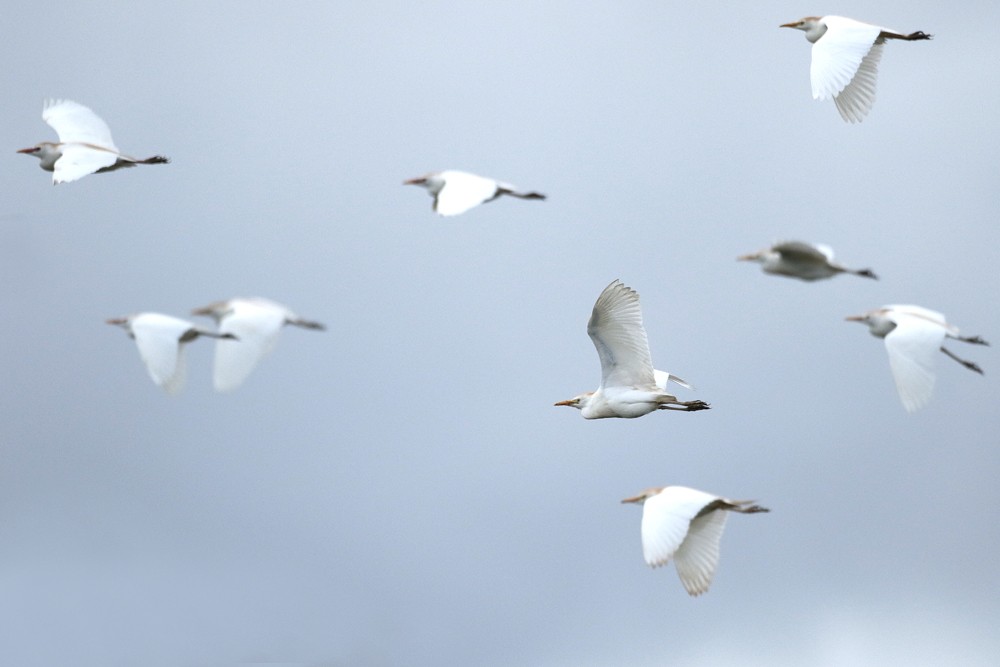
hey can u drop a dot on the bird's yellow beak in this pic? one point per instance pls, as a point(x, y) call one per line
point(747, 258)
point(569, 402)
point(635, 499)
point(855, 318)
point(415, 181)
point(33, 149)
point(789, 25)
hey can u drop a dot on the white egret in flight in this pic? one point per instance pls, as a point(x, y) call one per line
point(256, 322)
point(161, 339)
point(845, 57)
point(805, 261)
point(686, 525)
point(84, 147)
point(913, 336)
point(629, 386)
point(456, 192)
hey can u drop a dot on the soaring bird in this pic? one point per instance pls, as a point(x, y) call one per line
point(161, 339)
point(686, 525)
point(913, 335)
point(804, 261)
point(256, 322)
point(456, 192)
point(845, 57)
point(84, 147)
point(628, 381)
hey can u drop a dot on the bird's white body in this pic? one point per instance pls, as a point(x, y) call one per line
point(161, 339)
point(256, 322)
point(845, 58)
point(913, 336)
point(456, 192)
point(686, 525)
point(85, 145)
point(630, 387)
point(805, 261)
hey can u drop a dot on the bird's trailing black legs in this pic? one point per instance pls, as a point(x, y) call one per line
point(968, 364)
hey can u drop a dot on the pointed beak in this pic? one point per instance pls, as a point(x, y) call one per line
point(747, 258)
point(635, 499)
point(419, 180)
point(117, 321)
point(569, 402)
point(855, 318)
point(202, 311)
point(28, 151)
point(789, 25)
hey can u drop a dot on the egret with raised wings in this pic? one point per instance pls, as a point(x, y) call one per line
point(628, 380)
point(913, 336)
point(161, 339)
point(686, 525)
point(845, 57)
point(84, 147)
point(805, 261)
point(456, 192)
point(256, 322)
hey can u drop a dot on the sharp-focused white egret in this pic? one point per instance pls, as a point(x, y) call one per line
point(913, 335)
point(84, 147)
point(845, 57)
point(805, 261)
point(160, 339)
point(686, 525)
point(456, 192)
point(629, 386)
point(256, 322)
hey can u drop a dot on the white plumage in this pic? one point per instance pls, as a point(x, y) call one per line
point(805, 261)
point(913, 335)
point(85, 145)
point(686, 525)
point(629, 386)
point(256, 322)
point(456, 192)
point(845, 58)
point(161, 339)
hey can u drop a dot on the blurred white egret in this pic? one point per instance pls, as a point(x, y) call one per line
point(629, 386)
point(686, 525)
point(805, 261)
point(160, 339)
point(84, 147)
point(456, 192)
point(845, 57)
point(256, 322)
point(913, 335)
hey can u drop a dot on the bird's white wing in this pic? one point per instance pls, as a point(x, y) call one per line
point(920, 311)
point(662, 378)
point(698, 556)
point(462, 192)
point(78, 161)
point(256, 326)
point(856, 100)
point(616, 328)
point(912, 347)
point(801, 252)
point(666, 521)
point(838, 55)
point(76, 123)
point(160, 349)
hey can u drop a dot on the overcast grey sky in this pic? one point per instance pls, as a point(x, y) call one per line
point(399, 490)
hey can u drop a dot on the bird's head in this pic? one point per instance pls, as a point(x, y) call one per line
point(878, 322)
point(644, 496)
point(752, 257)
point(578, 402)
point(813, 26)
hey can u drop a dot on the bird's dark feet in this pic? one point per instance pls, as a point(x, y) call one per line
point(867, 273)
point(920, 34)
point(975, 340)
point(692, 406)
point(973, 367)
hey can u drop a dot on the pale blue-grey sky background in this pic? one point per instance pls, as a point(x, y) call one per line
point(399, 490)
